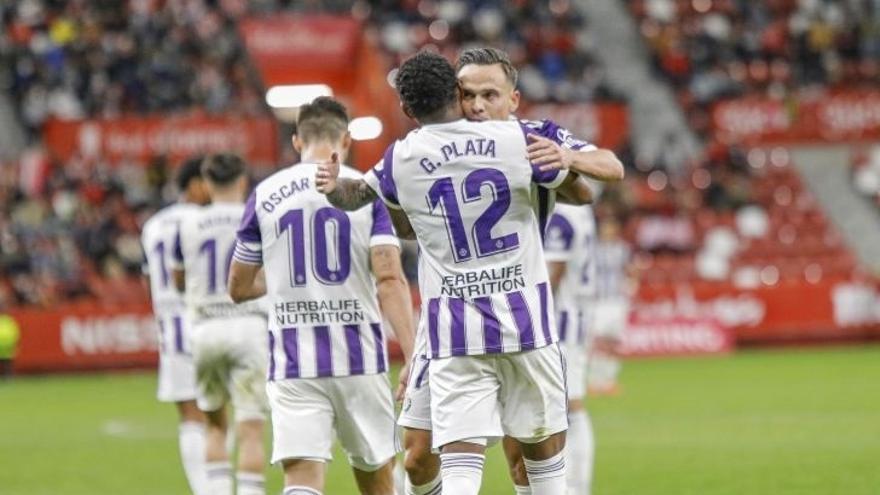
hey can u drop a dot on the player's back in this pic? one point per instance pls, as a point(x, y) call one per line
point(467, 190)
point(324, 317)
point(158, 238)
point(205, 245)
point(571, 239)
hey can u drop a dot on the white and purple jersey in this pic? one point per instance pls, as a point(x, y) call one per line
point(612, 259)
point(158, 238)
point(545, 199)
point(467, 190)
point(324, 317)
point(571, 239)
point(203, 250)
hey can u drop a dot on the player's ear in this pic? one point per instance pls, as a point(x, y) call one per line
point(514, 100)
point(297, 143)
point(346, 141)
point(406, 111)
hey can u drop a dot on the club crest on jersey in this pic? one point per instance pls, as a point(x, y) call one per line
point(564, 136)
point(471, 147)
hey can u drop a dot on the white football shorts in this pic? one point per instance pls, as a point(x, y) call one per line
point(416, 410)
point(521, 395)
point(307, 411)
point(177, 372)
point(611, 317)
point(231, 365)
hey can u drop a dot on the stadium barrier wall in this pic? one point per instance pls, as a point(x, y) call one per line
point(804, 117)
point(684, 319)
point(828, 310)
point(176, 137)
point(85, 337)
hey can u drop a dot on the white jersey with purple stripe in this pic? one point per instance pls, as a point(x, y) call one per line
point(612, 259)
point(203, 250)
point(571, 239)
point(324, 317)
point(467, 190)
point(545, 199)
point(158, 238)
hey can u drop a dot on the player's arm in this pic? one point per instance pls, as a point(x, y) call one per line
point(246, 281)
point(178, 276)
point(575, 190)
point(556, 269)
point(394, 300)
point(598, 164)
point(401, 225)
point(342, 192)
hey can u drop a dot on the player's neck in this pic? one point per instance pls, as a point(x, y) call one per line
point(229, 196)
point(317, 152)
point(448, 114)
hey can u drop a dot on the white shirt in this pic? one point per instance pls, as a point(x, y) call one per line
point(467, 189)
point(324, 317)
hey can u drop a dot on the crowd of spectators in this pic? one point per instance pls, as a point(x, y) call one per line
point(736, 216)
point(549, 42)
point(70, 230)
point(713, 49)
point(87, 58)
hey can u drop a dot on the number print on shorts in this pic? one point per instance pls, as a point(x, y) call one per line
point(442, 195)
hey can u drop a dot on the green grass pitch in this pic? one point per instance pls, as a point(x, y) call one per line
point(799, 422)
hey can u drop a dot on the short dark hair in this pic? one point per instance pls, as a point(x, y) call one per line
point(189, 170)
point(222, 168)
point(488, 56)
point(324, 118)
point(427, 84)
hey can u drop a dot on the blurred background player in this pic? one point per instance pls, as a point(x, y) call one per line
point(328, 275)
point(569, 246)
point(229, 340)
point(177, 372)
point(615, 285)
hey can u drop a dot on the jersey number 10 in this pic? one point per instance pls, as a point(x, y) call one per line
point(294, 223)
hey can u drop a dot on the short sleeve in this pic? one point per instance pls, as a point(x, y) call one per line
point(249, 239)
point(382, 180)
point(550, 179)
point(560, 135)
point(382, 231)
point(559, 239)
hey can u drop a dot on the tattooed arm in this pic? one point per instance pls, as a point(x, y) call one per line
point(343, 193)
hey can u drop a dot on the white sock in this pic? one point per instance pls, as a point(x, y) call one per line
point(219, 478)
point(462, 473)
point(191, 440)
point(604, 369)
point(433, 487)
point(250, 483)
point(299, 490)
point(399, 477)
point(579, 450)
point(547, 477)
point(522, 490)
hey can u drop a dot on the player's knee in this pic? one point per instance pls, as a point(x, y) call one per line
point(421, 464)
point(518, 472)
